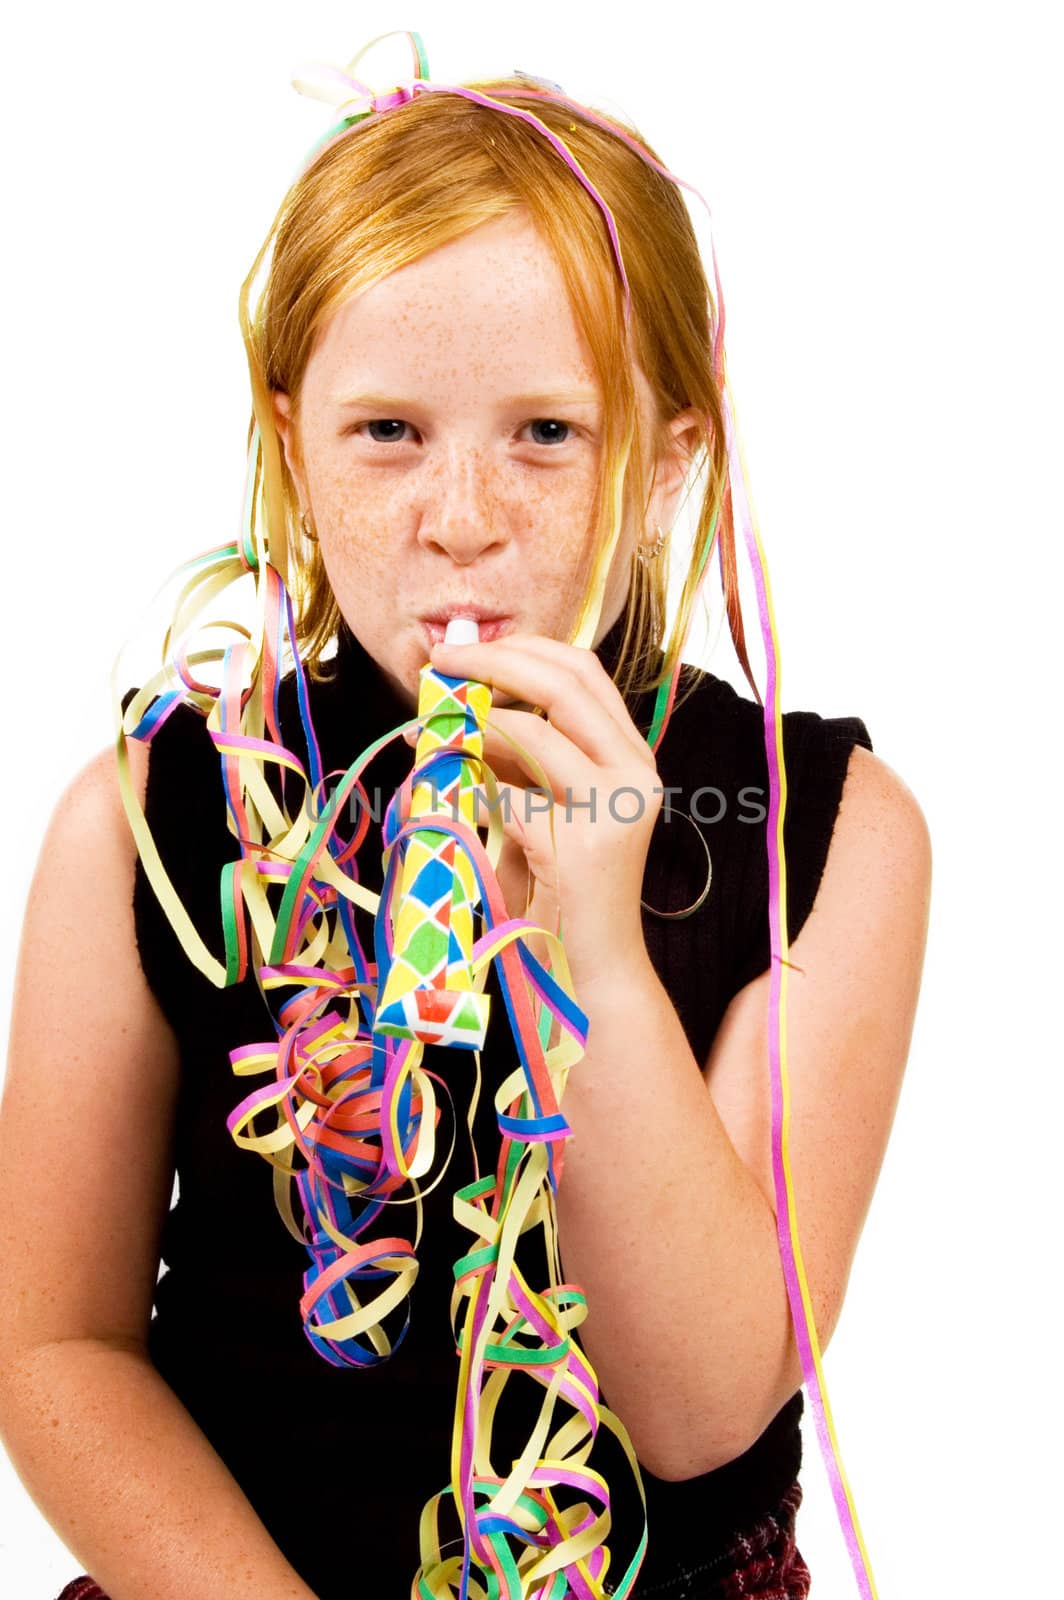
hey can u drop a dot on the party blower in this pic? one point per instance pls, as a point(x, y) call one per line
point(429, 993)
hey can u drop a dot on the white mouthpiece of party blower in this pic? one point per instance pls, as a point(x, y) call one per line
point(462, 630)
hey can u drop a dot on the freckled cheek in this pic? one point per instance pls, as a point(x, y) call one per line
point(562, 510)
point(358, 523)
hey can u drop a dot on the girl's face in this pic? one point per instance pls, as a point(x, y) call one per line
point(450, 433)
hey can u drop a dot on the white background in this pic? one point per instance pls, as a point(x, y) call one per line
point(885, 191)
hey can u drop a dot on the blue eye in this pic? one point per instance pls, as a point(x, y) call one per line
point(551, 422)
point(385, 422)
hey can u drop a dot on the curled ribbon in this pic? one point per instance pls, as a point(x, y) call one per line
point(346, 1113)
point(351, 97)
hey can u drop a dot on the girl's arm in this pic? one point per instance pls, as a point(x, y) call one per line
point(666, 1209)
point(101, 1442)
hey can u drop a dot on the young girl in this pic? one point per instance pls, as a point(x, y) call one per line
point(486, 369)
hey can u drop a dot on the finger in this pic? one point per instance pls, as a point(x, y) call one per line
point(526, 750)
point(508, 764)
point(504, 761)
point(587, 665)
point(528, 848)
point(579, 697)
point(582, 664)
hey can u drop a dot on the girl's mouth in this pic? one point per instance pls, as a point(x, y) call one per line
point(490, 627)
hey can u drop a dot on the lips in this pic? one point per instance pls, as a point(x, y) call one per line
point(491, 623)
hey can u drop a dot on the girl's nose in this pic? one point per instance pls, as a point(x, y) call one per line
point(462, 515)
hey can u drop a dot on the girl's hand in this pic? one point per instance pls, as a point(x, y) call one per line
point(604, 794)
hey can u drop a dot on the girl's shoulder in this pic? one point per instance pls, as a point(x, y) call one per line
point(717, 737)
point(708, 703)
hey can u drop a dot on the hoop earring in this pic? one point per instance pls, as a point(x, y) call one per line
point(648, 550)
point(688, 911)
point(308, 531)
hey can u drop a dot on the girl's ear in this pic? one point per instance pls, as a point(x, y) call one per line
point(282, 421)
point(686, 433)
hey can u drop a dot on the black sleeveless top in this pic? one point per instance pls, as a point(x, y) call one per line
point(338, 1463)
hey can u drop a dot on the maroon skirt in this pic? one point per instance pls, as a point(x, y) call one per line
point(762, 1563)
